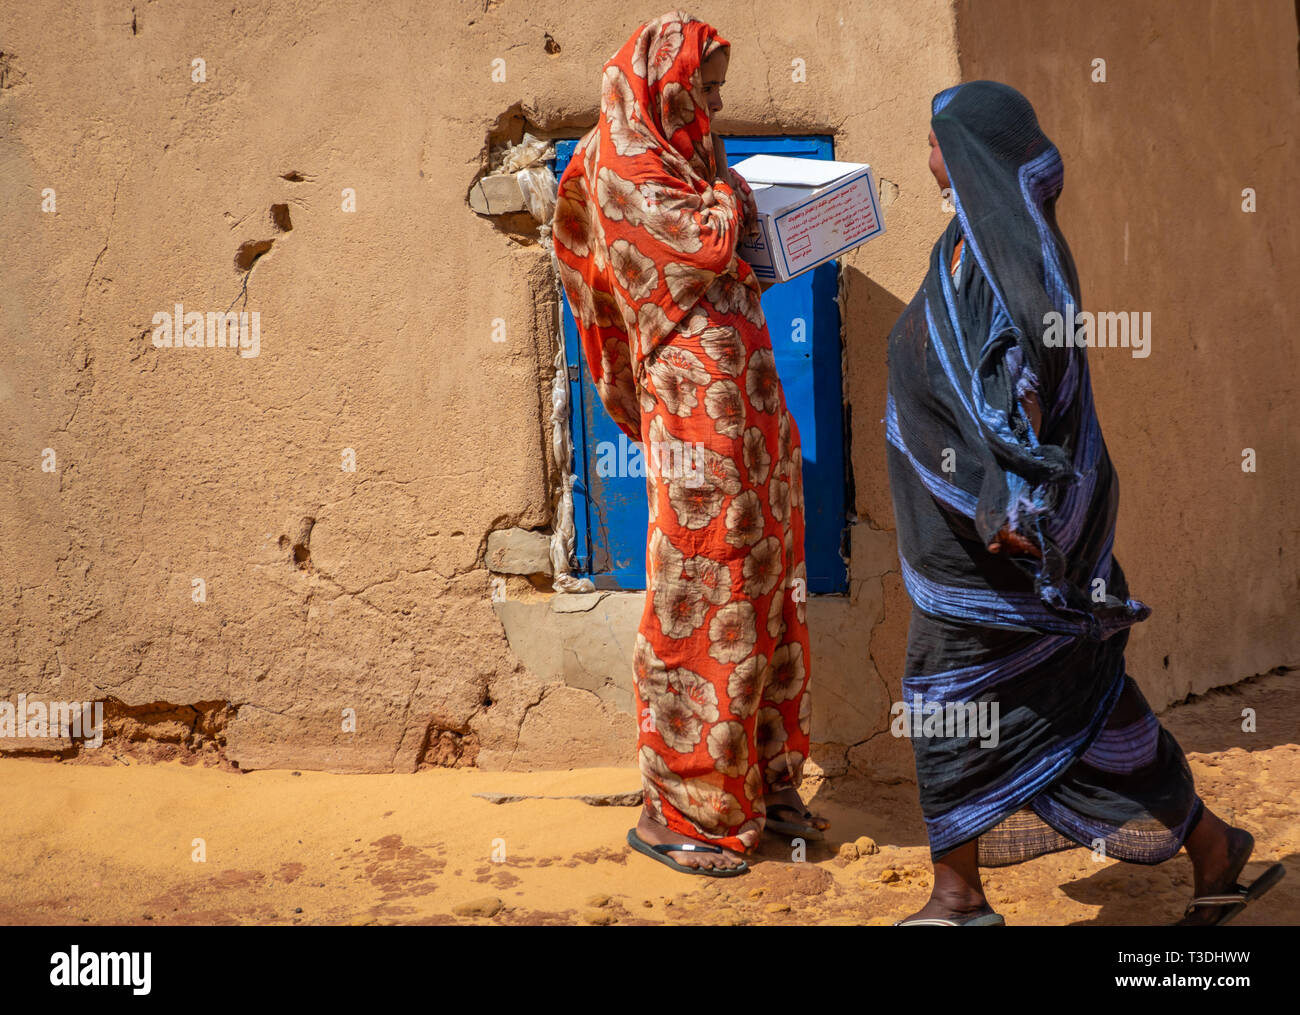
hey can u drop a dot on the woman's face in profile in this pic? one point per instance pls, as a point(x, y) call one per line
point(936, 163)
point(714, 72)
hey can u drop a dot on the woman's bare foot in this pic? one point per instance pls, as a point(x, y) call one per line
point(951, 907)
point(953, 897)
point(789, 798)
point(654, 833)
point(958, 892)
point(1219, 853)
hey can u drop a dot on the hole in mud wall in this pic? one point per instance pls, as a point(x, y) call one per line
point(280, 217)
point(447, 748)
point(512, 143)
point(248, 253)
point(10, 75)
point(300, 548)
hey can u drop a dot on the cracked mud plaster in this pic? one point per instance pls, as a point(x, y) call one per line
point(154, 732)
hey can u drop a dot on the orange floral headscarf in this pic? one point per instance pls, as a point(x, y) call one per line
point(642, 229)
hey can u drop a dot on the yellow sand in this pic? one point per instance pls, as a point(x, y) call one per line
point(107, 842)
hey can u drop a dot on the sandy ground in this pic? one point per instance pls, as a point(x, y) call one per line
point(112, 841)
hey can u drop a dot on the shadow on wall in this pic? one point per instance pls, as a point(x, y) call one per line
point(868, 312)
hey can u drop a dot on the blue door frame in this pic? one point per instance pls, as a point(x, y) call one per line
point(610, 514)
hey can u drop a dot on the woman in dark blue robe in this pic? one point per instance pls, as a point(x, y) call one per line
point(1005, 502)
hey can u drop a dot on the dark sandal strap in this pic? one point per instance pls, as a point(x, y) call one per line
point(807, 819)
point(804, 815)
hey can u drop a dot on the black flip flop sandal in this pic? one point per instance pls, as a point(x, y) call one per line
point(1235, 901)
point(983, 920)
point(660, 852)
point(809, 832)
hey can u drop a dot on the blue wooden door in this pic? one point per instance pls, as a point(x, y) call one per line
point(803, 320)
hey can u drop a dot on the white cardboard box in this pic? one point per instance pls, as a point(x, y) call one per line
point(810, 211)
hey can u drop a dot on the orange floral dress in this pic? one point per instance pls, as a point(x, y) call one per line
point(674, 336)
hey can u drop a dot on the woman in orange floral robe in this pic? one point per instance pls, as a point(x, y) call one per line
point(645, 231)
